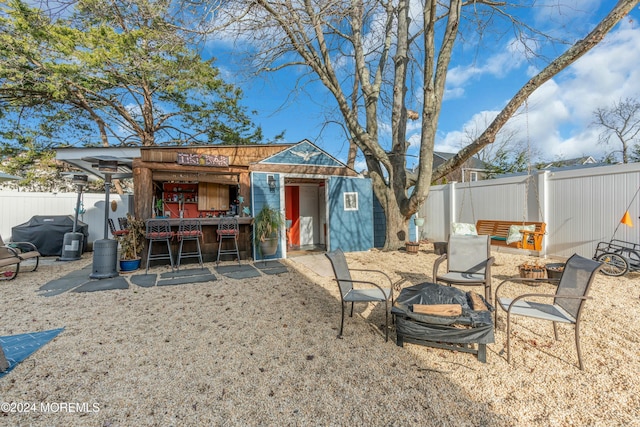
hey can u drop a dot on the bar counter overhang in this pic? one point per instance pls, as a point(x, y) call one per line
point(209, 243)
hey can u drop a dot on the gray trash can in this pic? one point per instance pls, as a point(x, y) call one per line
point(105, 259)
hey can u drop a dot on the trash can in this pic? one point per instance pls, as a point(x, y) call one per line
point(105, 259)
point(72, 247)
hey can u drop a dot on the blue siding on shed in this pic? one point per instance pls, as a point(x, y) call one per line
point(263, 195)
point(380, 225)
point(350, 230)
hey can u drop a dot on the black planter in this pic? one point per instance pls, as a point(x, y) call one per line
point(554, 271)
point(440, 248)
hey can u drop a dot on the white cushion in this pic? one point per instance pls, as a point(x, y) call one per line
point(514, 232)
point(463, 229)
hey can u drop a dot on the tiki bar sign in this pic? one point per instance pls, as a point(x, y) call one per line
point(203, 160)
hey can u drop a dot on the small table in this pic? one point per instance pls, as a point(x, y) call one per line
point(469, 332)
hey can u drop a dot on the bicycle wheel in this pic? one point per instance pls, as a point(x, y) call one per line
point(614, 264)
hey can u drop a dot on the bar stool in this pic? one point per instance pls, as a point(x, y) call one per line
point(159, 230)
point(189, 229)
point(114, 232)
point(228, 229)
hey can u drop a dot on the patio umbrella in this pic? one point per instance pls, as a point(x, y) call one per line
point(7, 177)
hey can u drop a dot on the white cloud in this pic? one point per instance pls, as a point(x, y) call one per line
point(360, 165)
point(560, 113)
point(498, 65)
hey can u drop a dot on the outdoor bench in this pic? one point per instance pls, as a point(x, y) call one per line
point(499, 231)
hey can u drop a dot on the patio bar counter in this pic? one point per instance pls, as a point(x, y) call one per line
point(209, 243)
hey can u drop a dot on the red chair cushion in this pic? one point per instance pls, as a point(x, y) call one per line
point(160, 235)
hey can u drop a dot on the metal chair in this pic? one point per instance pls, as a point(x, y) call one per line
point(469, 263)
point(123, 222)
point(568, 299)
point(189, 229)
point(228, 229)
point(159, 230)
point(116, 233)
point(13, 254)
point(348, 293)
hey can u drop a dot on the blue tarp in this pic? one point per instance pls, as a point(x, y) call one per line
point(18, 347)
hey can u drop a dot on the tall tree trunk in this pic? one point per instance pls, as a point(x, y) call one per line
point(397, 233)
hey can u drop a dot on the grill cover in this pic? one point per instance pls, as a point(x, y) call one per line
point(470, 327)
point(47, 232)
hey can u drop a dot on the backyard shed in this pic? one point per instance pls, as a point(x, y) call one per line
point(327, 205)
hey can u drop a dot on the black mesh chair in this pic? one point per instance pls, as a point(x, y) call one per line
point(189, 230)
point(159, 230)
point(568, 300)
point(349, 294)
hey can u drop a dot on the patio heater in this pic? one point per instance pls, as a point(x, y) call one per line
point(105, 251)
point(73, 243)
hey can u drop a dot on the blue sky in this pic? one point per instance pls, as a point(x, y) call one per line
point(482, 80)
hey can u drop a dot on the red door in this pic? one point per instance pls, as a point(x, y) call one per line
point(292, 212)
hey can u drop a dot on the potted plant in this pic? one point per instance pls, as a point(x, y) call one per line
point(266, 228)
point(532, 270)
point(555, 270)
point(412, 247)
point(132, 244)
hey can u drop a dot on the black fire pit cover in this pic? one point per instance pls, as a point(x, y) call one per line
point(470, 327)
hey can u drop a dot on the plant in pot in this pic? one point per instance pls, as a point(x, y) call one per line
point(266, 227)
point(132, 244)
point(532, 270)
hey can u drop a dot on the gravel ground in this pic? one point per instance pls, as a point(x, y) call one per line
point(264, 351)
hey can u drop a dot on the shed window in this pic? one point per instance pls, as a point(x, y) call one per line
point(350, 201)
point(473, 176)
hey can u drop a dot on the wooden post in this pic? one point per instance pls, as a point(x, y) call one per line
point(143, 192)
point(245, 190)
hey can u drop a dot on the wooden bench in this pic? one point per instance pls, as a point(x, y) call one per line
point(499, 230)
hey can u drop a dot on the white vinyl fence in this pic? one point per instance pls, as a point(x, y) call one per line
point(18, 207)
point(580, 206)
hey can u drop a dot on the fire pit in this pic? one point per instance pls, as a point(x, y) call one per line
point(464, 328)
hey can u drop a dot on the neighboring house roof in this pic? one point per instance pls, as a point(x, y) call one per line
point(440, 157)
point(579, 161)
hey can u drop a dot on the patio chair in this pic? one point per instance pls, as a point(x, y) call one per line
point(189, 229)
point(469, 263)
point(13, 254)
point(568, 300)
point(123, 222)
point(114, 232)
point(228, 229)
point(159, 230)
point(348, 293)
